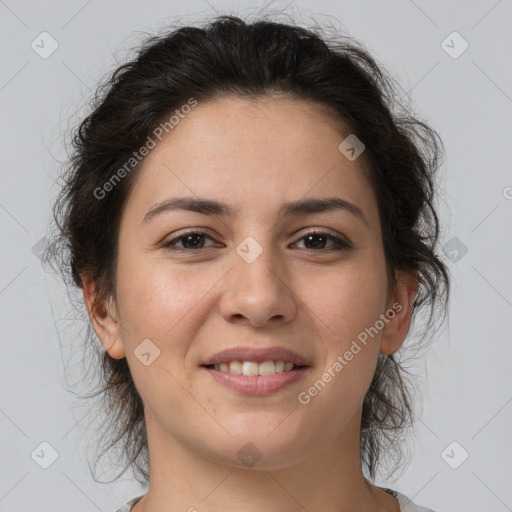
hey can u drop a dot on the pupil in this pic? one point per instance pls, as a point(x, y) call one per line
point(309, 237)
point(189, 237)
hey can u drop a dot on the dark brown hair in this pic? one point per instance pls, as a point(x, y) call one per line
point(229, 56)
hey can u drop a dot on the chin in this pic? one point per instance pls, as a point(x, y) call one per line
point(261, 446)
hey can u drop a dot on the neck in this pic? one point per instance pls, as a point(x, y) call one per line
point(331, 480)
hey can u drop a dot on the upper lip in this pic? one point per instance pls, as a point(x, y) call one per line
point(258, 355)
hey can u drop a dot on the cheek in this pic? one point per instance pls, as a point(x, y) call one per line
point(350, 348)
point(347, 304)
point(347, 299)
point(164, 305)
point(155, 298)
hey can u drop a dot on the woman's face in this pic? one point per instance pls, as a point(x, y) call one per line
point(255, 280)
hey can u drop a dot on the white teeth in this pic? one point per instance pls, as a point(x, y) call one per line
point(267, 368)
point(279, 366)
point(235, 367)
point(250, 368)
point(253, 368)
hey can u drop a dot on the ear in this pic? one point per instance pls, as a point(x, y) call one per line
point(397, 326)
point(102, 313)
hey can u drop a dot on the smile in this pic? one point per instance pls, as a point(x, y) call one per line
point(254, 368)
point(249, 377)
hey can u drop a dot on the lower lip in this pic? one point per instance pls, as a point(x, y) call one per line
point(257, 385)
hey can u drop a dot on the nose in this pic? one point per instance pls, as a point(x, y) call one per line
point(259, 292)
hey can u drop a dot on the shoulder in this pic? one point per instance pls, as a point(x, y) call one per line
point(128, 505)
point(406, 505)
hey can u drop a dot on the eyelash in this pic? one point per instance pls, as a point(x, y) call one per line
point(339, 243)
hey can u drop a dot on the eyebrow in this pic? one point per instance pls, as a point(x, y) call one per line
point(307, 206)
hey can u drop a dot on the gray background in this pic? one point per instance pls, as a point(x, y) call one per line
point(465, 377)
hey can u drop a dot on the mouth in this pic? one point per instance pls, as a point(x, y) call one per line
point(256, 371)
point(255, 368)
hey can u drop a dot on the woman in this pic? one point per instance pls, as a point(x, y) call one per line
point(253, 229)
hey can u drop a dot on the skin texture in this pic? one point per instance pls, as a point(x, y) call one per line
point(255, 156)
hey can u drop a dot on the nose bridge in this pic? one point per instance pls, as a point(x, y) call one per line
point(258, 263)
point(256, 287)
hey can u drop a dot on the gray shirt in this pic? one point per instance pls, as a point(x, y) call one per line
point(406, 505)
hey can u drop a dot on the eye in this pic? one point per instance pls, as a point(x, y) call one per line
point(191, 240)
point(313, 236)
point(195, 240)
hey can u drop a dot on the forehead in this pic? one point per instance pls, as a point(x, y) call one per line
point(252, 154)
point(267, 128)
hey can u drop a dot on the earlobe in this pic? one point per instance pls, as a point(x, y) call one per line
point(397, 327)
point(102, 313)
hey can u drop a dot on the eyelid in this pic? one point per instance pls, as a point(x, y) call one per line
point(322, 231)
point(193, 230)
